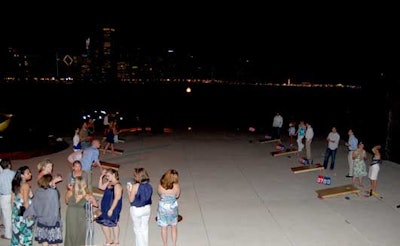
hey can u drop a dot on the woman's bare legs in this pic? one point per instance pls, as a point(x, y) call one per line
point(373, 187)
point(116, 234)
point(174, 233)
point(107, 234)
point(105, 148)
point(164, 235)
point(360, 181)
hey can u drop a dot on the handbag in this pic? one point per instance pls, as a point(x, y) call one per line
point(96, 213)
point(21, 210)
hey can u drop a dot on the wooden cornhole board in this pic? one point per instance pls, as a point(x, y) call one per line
point(116, 151)
point(264, 141)
point(337, 191)
point(285, 152)
point(97, 192)
point(307, 168)
point(121, 140)
point(109, 165)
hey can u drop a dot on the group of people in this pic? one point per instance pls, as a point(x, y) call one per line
point(23, 209)
point(356, 158)
point(84, 136)
point(30, 215)
point(140, 200)
point(305, 135)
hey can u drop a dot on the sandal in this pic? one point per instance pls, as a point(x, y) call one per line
point(4, 237)
point(108, 244)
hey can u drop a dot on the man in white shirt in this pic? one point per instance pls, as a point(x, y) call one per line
point(277, 124)
point(333, 144)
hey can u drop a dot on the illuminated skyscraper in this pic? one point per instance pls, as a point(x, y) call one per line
point(108, 40)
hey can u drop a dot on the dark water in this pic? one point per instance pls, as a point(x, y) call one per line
point(43, 110)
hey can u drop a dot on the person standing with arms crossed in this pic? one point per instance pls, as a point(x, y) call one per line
point(352, 145)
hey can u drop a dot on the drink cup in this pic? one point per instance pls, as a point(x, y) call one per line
point(129, 184)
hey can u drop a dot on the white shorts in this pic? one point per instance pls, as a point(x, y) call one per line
point(373, 172)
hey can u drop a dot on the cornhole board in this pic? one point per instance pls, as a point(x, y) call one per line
point(264, 141)
point(307, 168)
point(121, 140)
point(285, 152)
point(97, 192)
point(337, 191)
point(109, 165)
point(116, 151)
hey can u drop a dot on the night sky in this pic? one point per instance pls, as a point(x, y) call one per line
point(311, 42)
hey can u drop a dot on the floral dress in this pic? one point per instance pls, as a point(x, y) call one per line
point(167, 212)
point(360, 168)
point(22, 233)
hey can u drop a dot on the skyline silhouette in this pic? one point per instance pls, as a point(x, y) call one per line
point(336, 44)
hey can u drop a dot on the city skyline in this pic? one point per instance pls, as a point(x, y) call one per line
point(315, 47)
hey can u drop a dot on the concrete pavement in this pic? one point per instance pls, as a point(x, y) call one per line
point(234, 192)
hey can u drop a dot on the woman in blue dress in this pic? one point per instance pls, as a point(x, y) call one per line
point(111, 205)
point(167, 211)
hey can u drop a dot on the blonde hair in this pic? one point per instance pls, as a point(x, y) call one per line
point(80, 188)
point(43, 164)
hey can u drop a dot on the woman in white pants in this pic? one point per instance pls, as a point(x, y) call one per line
point(374, 169)
point(139, 195)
